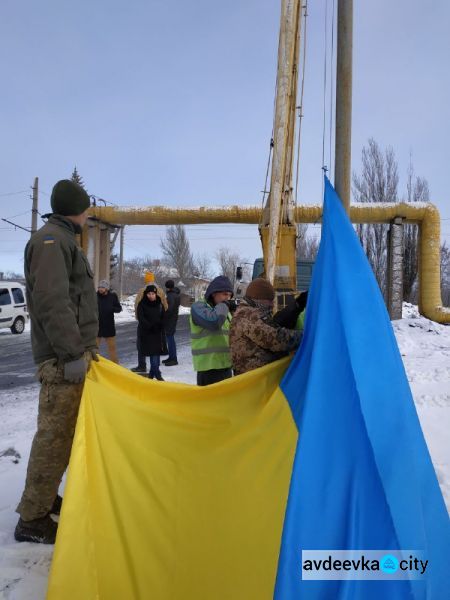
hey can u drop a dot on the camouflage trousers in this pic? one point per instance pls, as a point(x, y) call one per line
point(59, 402)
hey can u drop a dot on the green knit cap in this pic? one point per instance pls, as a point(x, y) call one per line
point(69, 199)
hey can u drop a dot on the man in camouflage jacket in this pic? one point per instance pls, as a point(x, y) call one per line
point(255, 338)
point(62, 303)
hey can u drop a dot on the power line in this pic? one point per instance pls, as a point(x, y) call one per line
point(332, 80)
point(15, 225)
point(13, 193)
point(325, 87)
point(197, 239)
point(20, 214)
point(300, 106)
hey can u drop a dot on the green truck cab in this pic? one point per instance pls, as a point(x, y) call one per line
point(304, 272)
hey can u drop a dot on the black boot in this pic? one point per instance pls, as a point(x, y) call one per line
point(159, 377)
point(151, 376)
point(40, 531)
point(139, 369)
point(171, 363)
point(57, 504)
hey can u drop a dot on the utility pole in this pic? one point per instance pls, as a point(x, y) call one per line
point(34, 210)
point(121, 262)
point(343, 152)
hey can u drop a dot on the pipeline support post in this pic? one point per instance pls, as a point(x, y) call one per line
point(395, 269)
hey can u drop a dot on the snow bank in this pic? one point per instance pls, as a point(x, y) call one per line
point(127, 313)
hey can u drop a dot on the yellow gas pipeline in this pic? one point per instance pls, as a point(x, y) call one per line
point(424, 215)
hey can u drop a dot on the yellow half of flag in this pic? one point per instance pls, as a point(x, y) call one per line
point(175, 492)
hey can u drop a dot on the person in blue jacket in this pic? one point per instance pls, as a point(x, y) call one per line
point(210, 328)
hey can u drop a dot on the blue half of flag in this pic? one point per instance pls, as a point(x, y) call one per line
point(362, 476)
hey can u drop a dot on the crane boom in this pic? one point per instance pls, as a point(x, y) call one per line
point(277, 229)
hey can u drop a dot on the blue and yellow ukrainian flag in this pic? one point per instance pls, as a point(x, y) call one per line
point(177, 492)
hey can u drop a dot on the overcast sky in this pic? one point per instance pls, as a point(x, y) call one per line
point(171, 102)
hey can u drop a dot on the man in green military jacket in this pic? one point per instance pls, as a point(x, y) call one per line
point(62, 304)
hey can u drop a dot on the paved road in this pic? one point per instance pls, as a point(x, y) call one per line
point(16, 362)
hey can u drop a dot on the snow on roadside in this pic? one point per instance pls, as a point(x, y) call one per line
point(127, 313)
point(425, 347)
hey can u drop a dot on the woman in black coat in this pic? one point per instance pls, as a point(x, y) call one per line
point(152, 337)
point(108, 304)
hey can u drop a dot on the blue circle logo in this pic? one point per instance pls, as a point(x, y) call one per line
point(389, 564)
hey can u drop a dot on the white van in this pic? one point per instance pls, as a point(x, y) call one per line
point(13, 310)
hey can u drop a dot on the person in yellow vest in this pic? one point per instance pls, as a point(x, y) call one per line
point(210, 327)
point(149, 279)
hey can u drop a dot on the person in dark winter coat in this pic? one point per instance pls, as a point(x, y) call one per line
point(210, 328)
point(149, 278)
point(152, 336)
point(108, 304)
point(173, 302)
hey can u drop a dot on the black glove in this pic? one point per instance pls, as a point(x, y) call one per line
point(301, 301)
point(232, 306)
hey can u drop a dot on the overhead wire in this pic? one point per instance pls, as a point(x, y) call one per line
point(13, 193)
point(332, 82)
point(20, 214)
point(269, 160)
point(300, 106)
point(324, 83)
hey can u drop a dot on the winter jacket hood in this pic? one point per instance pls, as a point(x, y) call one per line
point(218, 284)
point(140, 295)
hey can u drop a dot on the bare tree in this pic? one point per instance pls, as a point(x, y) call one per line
point(416, 191)
point(307, 246)
point(378, 182)
point(203, 266)
point(177, 252)
point(11, 275)
point(133, 273)
point(229, 261)
point(445, 274)
point(132, 277)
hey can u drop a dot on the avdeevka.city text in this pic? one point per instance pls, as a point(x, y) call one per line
point(358, 563)
point(413, 564)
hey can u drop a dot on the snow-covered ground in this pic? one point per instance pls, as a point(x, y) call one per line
point(425, 347)
point(127, 313)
